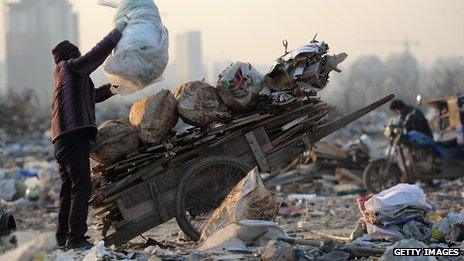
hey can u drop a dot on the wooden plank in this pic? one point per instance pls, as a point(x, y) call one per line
point(131, 230)
point(347, 119)
point(256, 149)
point(287, 134)
point(240, 122)
point(137, 211)
point(160, 206)
point(136, 194)
point(128, 229)
point(285, 154)
point(330, 150)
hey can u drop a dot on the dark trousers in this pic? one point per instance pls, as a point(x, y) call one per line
point(72, 154)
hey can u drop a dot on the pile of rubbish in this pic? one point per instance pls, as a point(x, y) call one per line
point(397, 213)
point(401, 212)
point(167, 129)
point(330, 164)
point(34, 181)
point(241, 91)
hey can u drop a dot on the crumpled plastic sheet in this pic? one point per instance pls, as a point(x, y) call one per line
point(442, 229)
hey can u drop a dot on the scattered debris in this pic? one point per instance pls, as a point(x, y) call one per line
point(279, 251)
point(407, 243)
point(32, 247)
point(7, 187)
point(450, 228)
point(240, 235)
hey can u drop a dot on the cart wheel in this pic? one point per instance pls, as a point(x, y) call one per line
point(377, 179)
point(205, 185)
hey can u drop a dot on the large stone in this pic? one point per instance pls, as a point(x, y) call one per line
point(154, 116)
point(115, 140)
point(199, 104)
point(279, 251)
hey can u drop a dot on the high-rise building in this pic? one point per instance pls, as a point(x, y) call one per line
point(3, 83)
point(217, 68)
point(189, 56)
point(33, 28)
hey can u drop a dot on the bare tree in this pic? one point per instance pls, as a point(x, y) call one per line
point(446, 77)
point(363, 80)
point(402, 76)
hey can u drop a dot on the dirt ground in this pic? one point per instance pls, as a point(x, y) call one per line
point(325, 217)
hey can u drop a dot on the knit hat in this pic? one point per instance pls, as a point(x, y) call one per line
point(62, 50)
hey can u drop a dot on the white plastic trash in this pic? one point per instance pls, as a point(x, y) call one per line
point(141, 55)
point(7, 189)
point(391, 201)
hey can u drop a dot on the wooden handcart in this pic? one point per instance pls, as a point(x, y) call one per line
point(188, 176)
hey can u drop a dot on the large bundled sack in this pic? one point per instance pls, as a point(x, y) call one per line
point(154, 116)
point(199, 104)
point(115, 140)
point(239, 86)
point(388, 204)
point(141, 55)
point(398, 213)
point(249, 199)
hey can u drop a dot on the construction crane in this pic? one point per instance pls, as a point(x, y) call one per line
point(407, 43)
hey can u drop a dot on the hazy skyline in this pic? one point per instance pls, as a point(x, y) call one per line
point(252, 31)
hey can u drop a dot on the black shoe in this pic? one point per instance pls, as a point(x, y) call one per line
point(60, 241)
point(79, 244)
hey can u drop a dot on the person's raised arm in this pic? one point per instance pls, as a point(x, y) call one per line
point(89, 62)
point(103, 93)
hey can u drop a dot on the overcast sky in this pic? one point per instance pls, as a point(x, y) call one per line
point(253, 30)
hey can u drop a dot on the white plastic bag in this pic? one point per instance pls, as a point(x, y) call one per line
point(239, 86)
point(141, 55)
point(391, 201)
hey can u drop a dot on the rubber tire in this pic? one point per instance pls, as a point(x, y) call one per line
point(394, 173)
point(181, 216)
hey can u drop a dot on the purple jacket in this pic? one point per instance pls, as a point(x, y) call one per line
point(74, 94)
